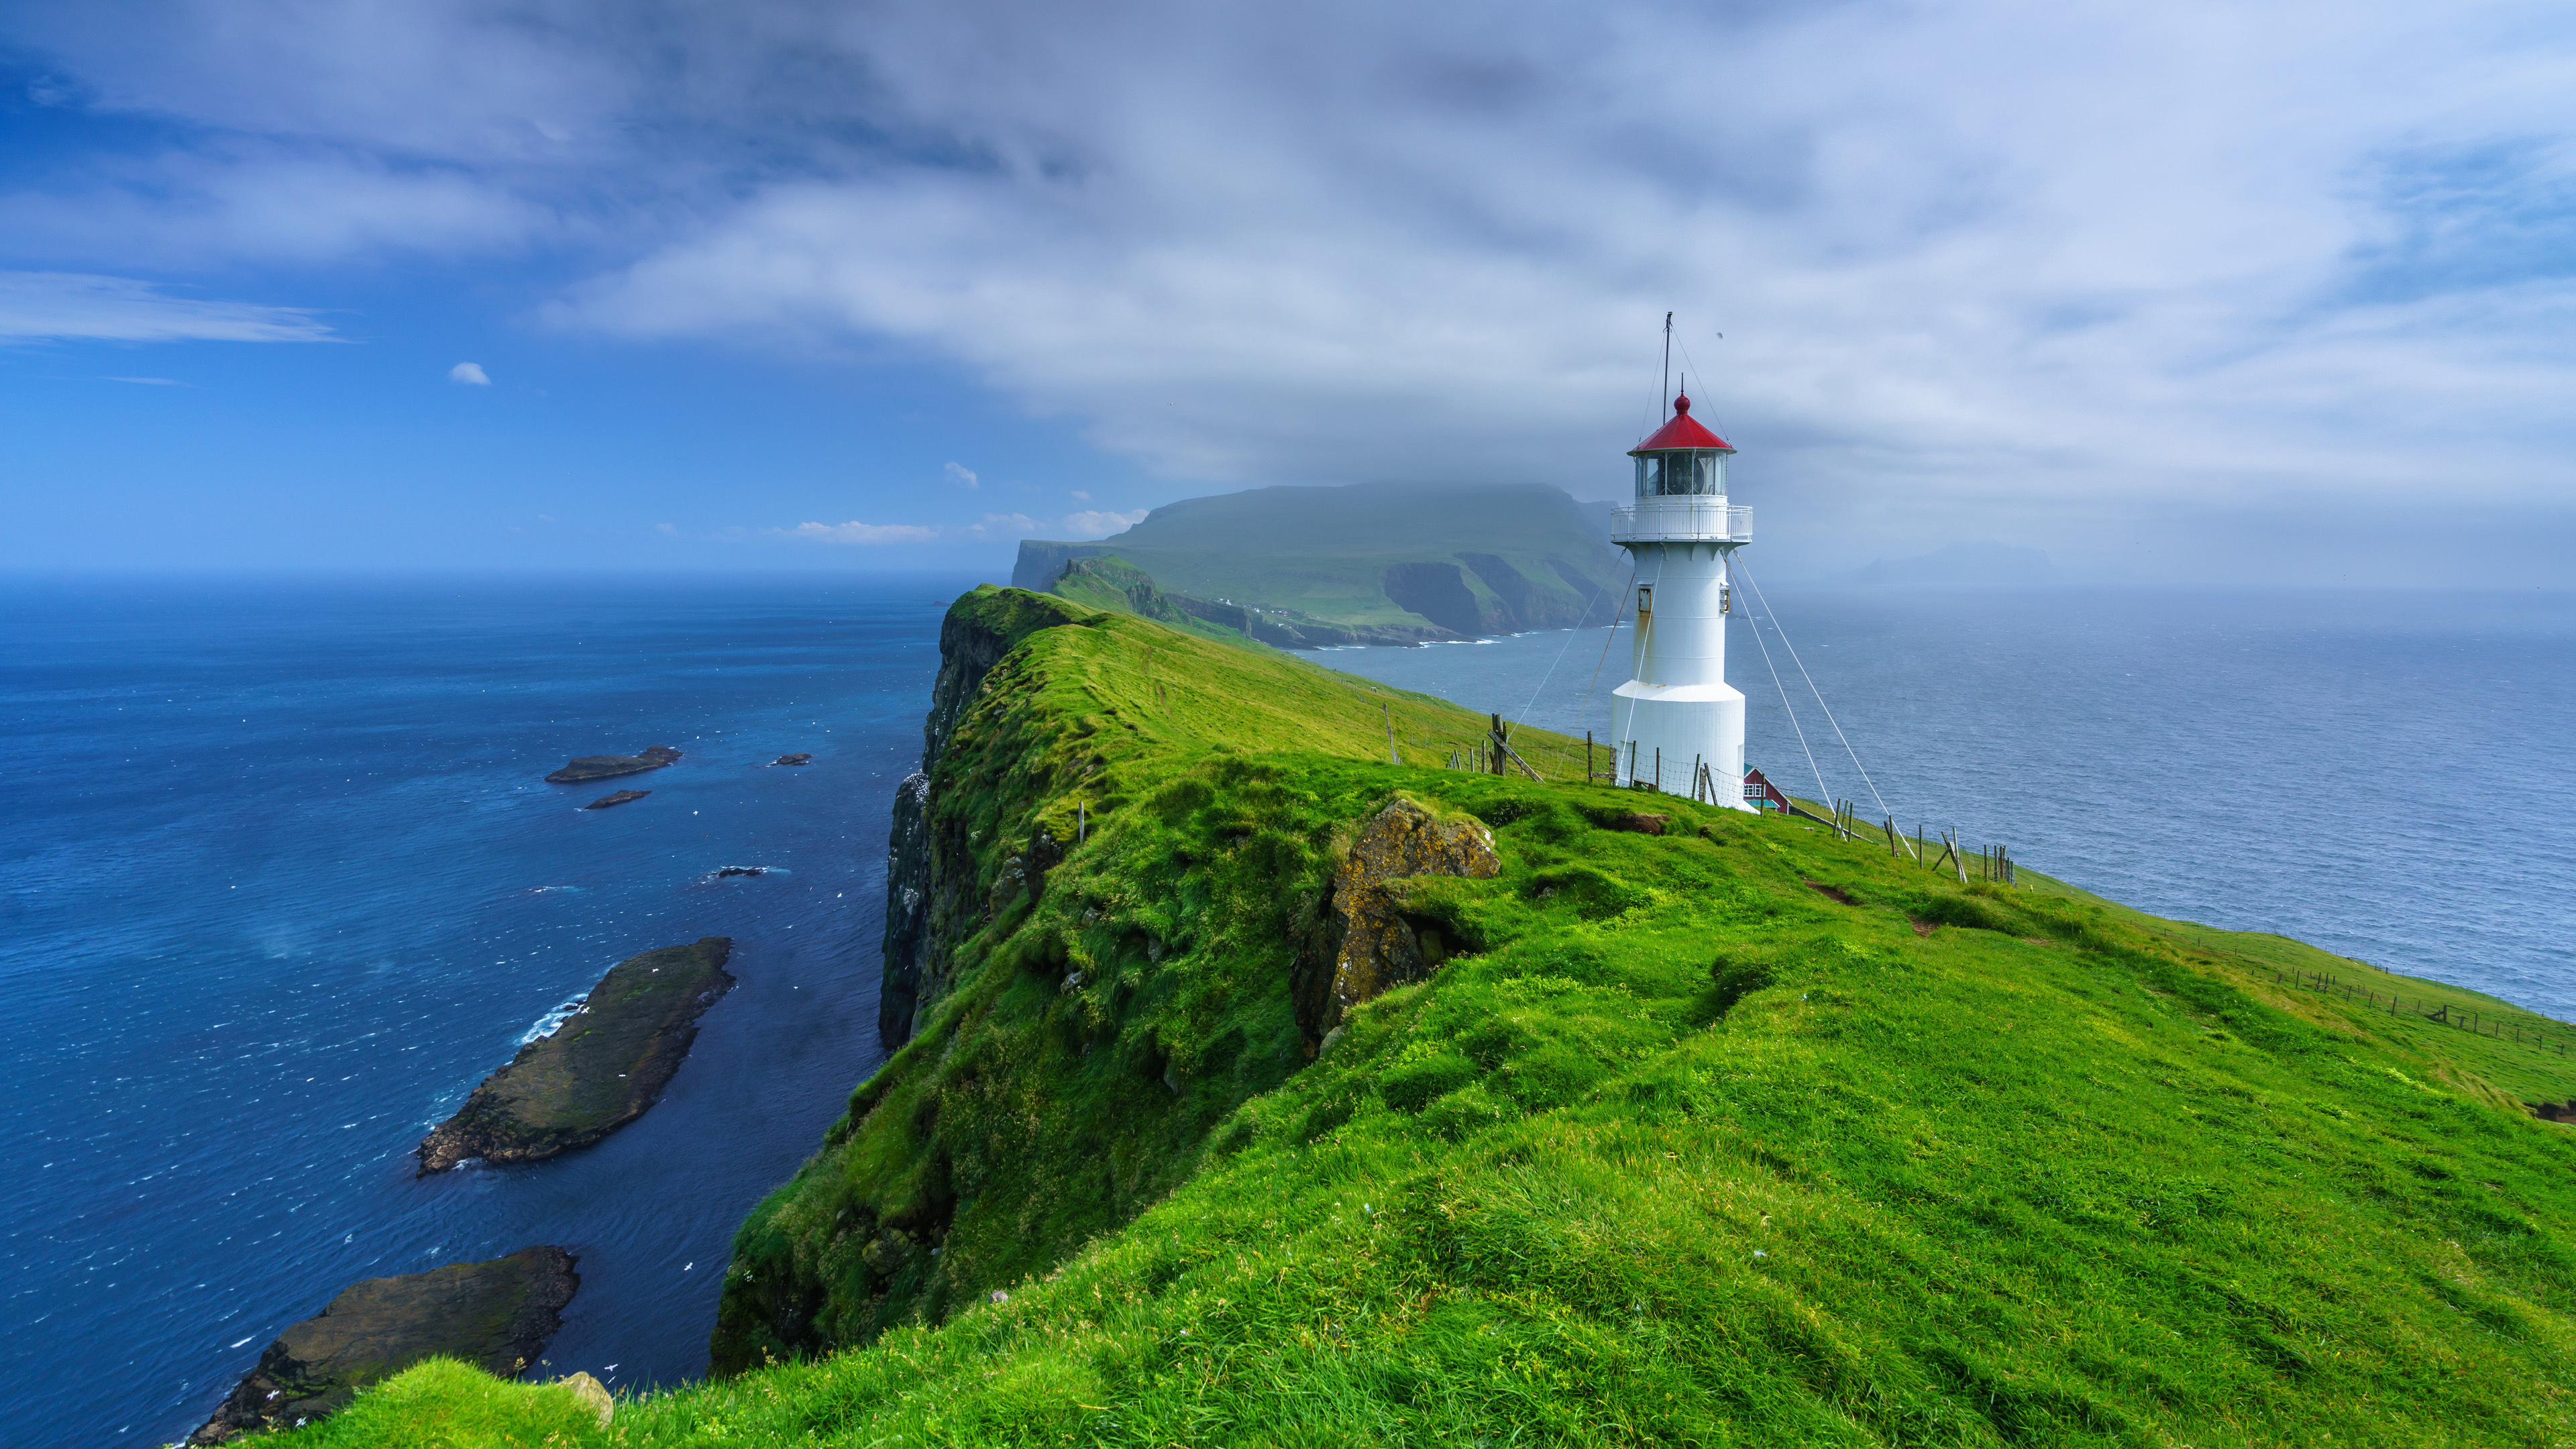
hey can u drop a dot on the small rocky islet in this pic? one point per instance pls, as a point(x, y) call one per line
point(603, 1068)
point(802, 759)
point(609, 767)
point(498, 1315)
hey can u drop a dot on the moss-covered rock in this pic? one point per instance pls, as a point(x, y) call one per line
point(497, 1315)
point(599, 1071)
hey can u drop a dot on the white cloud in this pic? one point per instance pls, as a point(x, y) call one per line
point(1980, 266)
point(72, 305)
point(856, 532)
point(666, 530)
point(962, 477)
point(1082, 495)
point(469, 373)
point(271, 203)
point(148, 381)
point(1002, 526)
point(1101, 524)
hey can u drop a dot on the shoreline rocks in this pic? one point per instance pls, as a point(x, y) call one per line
point(619, 798)
point(498, 1315)
point(609, 767)
point(603, 1068)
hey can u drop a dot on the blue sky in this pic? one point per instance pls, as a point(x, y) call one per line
point(2208, 292)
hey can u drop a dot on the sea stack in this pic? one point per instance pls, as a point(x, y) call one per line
point(599, 1071)
point(497, 1315)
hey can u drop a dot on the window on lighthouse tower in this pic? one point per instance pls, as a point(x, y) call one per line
point(1688, 471)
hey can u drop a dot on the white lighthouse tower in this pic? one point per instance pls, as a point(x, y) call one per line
point(1677, 715)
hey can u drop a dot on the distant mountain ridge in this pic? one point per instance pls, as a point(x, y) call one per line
point(1368, 563)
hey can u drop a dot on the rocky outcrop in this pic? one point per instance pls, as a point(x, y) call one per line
point(618, 798)
point(593, 1395)
point(922, 889)
point(1373, 943)
point(1437, 592)
point(599, 1071)
point(800, 758)
point(1522, 604)
point(907, 909)
point(498, 1314)
point(609, 767)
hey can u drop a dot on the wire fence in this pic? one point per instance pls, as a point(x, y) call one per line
point(1533, 754)
point(2517, 1028)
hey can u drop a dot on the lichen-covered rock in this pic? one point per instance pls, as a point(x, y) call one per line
point(593, 1396)
point(1379, 947)
point(497, 1314)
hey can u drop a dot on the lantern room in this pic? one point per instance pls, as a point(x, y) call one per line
point(1682, 458)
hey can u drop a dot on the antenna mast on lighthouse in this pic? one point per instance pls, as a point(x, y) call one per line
point(1664, 389)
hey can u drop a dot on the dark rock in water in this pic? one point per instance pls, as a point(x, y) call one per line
point(742, 870)
point(609, 767)
point(599, 1071)
point(792, 760)
point(498, 1315)
point(619, 798)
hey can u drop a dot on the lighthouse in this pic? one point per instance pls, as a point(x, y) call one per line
point(1677, 716)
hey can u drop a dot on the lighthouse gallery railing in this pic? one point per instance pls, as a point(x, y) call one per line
point(1693, 519)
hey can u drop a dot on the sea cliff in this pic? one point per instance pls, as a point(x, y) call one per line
point(1255, 1087)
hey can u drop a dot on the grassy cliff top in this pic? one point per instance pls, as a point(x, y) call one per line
point(1738, 1133)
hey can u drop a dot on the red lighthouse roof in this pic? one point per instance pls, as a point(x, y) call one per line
point(1684, 431)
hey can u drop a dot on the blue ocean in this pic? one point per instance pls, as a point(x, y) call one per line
point(285, 882)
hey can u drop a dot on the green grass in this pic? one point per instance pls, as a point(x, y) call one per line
point(1683, 1150)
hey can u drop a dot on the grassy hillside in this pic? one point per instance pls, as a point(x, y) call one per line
point(1427, 560)
point(1738, 1133)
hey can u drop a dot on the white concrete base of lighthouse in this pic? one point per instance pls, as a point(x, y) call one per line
point(1668, 729)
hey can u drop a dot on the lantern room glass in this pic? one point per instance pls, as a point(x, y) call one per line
point(1681, 472)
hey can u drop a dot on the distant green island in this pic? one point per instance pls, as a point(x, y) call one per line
point(1305, 568)
point(1263, 1080)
